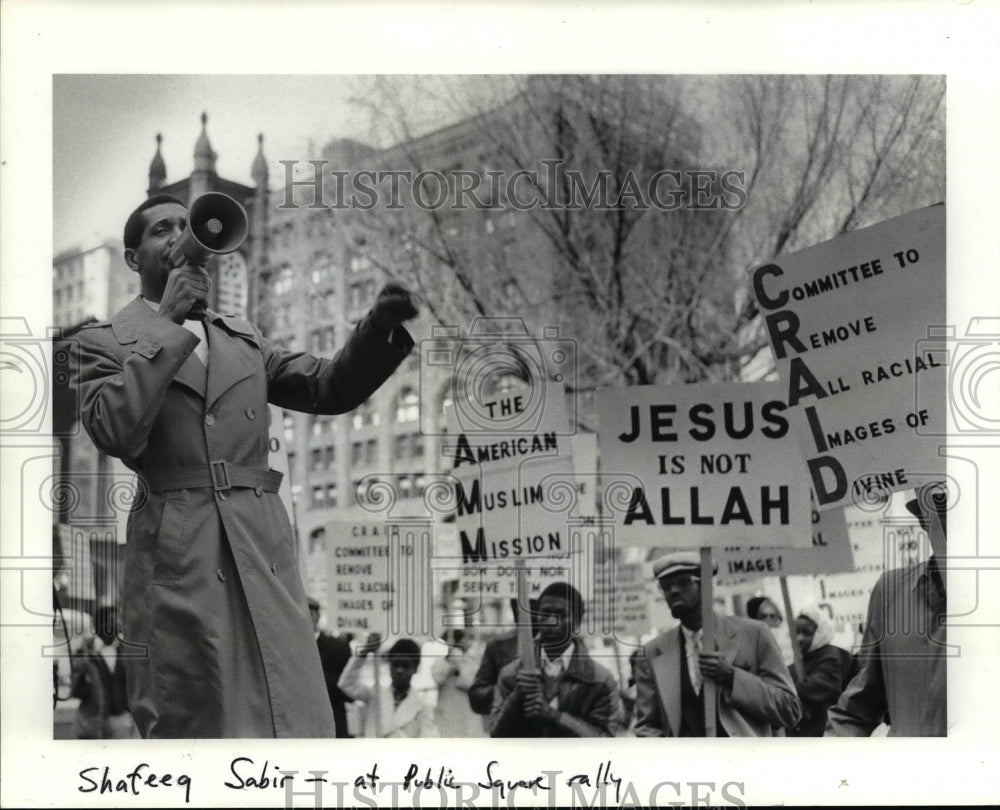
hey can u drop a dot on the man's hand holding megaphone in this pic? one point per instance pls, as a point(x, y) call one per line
point(216, 224)
point(185, 295)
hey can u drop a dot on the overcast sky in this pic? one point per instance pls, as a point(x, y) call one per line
point(104, 130)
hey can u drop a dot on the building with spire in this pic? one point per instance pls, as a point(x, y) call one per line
point(233, 286)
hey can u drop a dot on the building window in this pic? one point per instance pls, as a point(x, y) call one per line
point(283, 281)
point(331, 495)
point(316, 457)
point(407, 408)
point(364, 452)
point(409, 445)
point(319, 497)
point(362, 294)
point(359, 264)
point(365, 415)
point(321, 425)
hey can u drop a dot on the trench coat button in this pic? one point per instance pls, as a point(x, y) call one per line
point(209, 419)
point(274, 568)
point(221, 575)
point(250, 413)
point(258, 490)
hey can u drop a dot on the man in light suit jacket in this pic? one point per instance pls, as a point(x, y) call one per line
point(393, 709)
point(754, 692)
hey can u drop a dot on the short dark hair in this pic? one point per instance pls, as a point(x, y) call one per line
point(406, 650)
point(563, 590)
point(134, 224)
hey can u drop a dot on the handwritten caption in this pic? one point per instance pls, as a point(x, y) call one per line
point(498, 782)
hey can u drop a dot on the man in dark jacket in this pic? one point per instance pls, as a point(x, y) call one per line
point(334, 653)
point(99, 683)
point(212, 588)
point(567, 694)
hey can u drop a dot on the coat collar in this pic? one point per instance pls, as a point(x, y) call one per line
point(224, 370)
point(667, 661)
point(581, 665)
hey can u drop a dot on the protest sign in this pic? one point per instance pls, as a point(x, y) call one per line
point(830, 553)
point(498, 580)
point(709, 465)
point(620, 603)
point(277, 459)
point(849, 321)
point(378, 578)
point(502, 512)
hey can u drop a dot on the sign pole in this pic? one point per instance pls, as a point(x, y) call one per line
point(790, 621)
point(377, 702)
point(525, 641)
point(708, 636)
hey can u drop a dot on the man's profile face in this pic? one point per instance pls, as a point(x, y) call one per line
point(682, 593)
point(556, 623)
point(162, 224)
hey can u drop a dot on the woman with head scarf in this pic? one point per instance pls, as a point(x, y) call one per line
point(823, 671)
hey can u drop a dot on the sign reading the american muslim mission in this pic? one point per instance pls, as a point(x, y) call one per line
point(501, 502)
point(712, 464)
point(849, 322)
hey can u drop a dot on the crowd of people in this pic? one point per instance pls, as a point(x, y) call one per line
point(175, 390)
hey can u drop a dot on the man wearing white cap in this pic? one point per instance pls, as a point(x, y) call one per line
point(754, 692)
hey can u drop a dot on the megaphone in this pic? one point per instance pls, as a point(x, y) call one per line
point(216, 224)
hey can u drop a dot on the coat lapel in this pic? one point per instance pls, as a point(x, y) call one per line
point(727, 640)
point(127, 326)
point(666, 670)
point(193, 374)
point(225, 366)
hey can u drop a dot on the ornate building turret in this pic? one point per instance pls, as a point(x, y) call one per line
point(157, 170)
point(203, 177)
point(258, 229)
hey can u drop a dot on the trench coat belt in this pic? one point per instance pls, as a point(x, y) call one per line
point(219, 475)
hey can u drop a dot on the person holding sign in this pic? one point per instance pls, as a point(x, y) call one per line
point(824, 668)
point(569, 694)
point(395, 709)
point(754, 693)
point(903, 676)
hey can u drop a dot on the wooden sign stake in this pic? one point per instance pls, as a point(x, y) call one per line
point(708, 636)
point(790, 620)
point(525, 641)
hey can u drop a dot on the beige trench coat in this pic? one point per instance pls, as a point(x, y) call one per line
point(213, 602)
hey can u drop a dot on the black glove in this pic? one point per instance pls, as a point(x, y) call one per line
point(394, 305)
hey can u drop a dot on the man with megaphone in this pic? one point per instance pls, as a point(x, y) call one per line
point(212, 596)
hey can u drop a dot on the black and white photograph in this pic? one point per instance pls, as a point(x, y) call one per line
point(474, 398)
